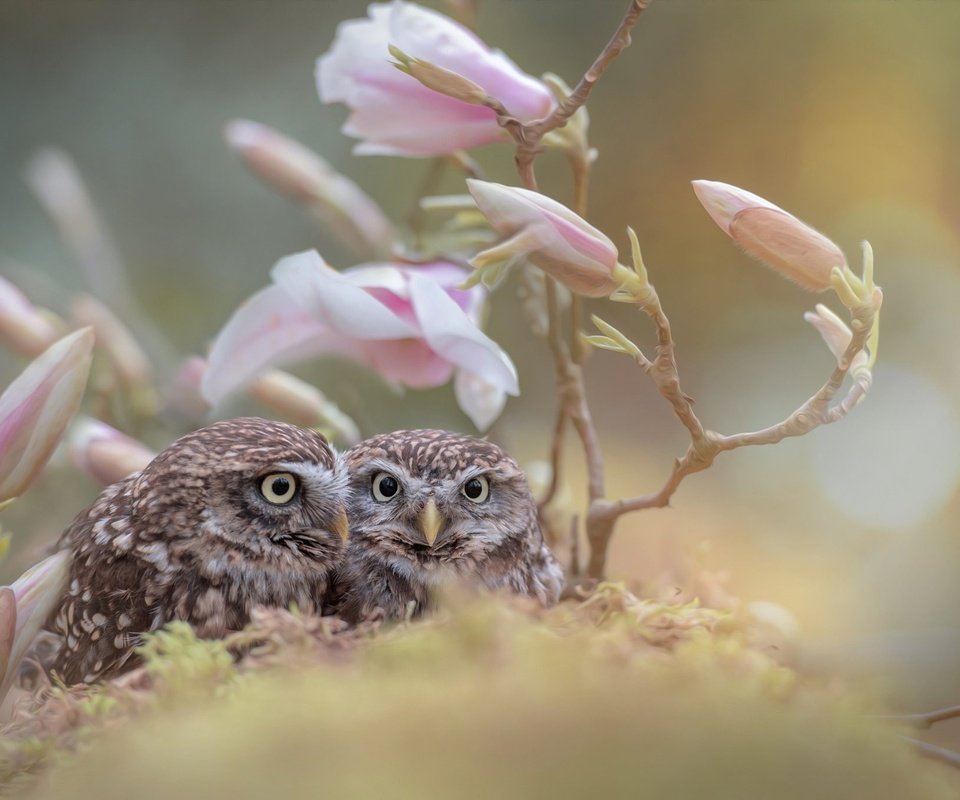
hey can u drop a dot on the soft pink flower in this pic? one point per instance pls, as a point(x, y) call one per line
point(548, 234)
point(392, 112)
point(771, 235)
point(104, 453)
point(23, 326)
point(294, 169)
point(25, 607)
point(36, 408)
point(410, 324)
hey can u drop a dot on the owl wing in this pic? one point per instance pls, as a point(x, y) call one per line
point(539, 574)
point(112, 596)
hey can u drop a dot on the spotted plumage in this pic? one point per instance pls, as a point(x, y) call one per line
point(430, 507)
point(241, 513)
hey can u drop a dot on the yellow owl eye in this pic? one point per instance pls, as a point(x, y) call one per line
point(476, 490)
point(278, 488)
point(385, 487)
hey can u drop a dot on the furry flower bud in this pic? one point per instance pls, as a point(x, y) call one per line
point(549, 235)
point(36, 408)
point(104, 453)
point(771, 235)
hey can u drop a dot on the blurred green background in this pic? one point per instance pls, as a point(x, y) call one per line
point(844, 112)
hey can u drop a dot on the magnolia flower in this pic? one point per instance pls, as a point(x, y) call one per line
point(392, 112)
point(25, 607)
point(549, 235)
point(23, 327)
point(771, 235)
point(104, 453)
point(292, 168)
point(36, 408)
point(410, 324)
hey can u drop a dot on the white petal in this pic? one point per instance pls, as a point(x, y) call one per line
point(335, 301)
point(266, 330)
point(450, 333)
point(478, 399)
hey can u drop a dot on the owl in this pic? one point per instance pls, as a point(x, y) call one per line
point(429, 507)
point(244, 512)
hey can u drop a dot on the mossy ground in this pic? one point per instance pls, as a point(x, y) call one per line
point(610, 697)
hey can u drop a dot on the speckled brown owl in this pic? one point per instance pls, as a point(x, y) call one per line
point(429, 507)
point(244, 512)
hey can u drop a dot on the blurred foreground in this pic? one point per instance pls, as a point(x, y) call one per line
point(613, 697)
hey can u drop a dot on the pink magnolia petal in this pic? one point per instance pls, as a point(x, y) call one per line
point(37, 407)
point(392, 112)
point(335, 301)
point(480, 400)
point(431, 36)
point(408, 362)
point(550, 235)
point(450, 333)
point(268, 329)
point(37, 592)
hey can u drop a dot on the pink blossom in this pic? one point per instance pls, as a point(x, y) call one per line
point(25, 607)
point(771, 235)
point(104, 453)
point(36, 408)
point(548, 234)
point(410, 324)
point(23, 326)
point(392, 112)
point(294, 169)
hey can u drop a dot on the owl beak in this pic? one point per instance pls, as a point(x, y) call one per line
point(341, 525)
point(430, 522)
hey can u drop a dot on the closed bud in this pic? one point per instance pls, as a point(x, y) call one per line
point(104, 453)
point(129, 361)
point(303, 404)
point(37, 407)
point(23, 327)
point(295, 170)
point(25, 607)
point(549, 235)
point(771, 235)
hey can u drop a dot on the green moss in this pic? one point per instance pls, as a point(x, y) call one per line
point(491, 700)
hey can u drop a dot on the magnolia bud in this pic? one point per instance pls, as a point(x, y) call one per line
point(36, 408)
point(549, 235)
point(771, 235)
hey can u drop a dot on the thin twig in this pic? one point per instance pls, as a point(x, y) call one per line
point(935, 752)
point(528, 137)
point(531, 134)
point(706, 445)
point(927, 719)
point(556, 457)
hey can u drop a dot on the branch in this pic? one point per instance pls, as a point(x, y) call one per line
point(927, 719)
point(528, 136)
point(935, 752)
point(705, 445)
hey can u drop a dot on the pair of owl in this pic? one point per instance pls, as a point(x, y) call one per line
point(248, 512)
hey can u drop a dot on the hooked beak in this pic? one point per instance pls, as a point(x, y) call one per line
point(341, 525)
point(430, 522)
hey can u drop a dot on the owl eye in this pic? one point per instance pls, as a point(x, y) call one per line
point(385, 486)
point(476, 490)
point(278, 488)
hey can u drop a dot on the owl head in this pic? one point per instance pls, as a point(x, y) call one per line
point(430, 501)
point(245, 489)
